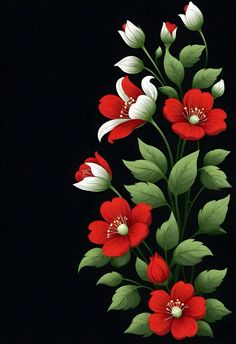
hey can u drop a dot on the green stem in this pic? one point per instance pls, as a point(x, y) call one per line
point(166, 256)
point(198, 145)
point(176, 274)
point(154, 64)
point(178, 148)
point(184, 275)
point(206, 48)
point(115, 191)
point(148, 248)
point(154, 74)
point(141, 254)
point(192, 274)
point(180, 92)
point(137, 283)
point(182, 149)
point(177, 212)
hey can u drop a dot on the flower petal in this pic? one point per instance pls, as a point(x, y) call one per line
point(148, 88)
point(130, 89)
point(120, 90)
point(98, 171)
point(117, 207)
point(109, 126)
point(159, 324)
point(184, 327)
point(158, 301)
point(143, 109)
point(137, 233)
point(142, 213)
point(215, 122)
point(110, 106)
point(195, 98)
point(93, 184)
point(182, 291)
point(124, 129)
point(116, 246)
point(195, 308)
point(173, 109)
point(188, 131)
point(98, 234)
point(103, 162)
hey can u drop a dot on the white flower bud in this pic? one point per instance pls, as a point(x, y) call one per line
point(133, 36)
point(168, 33)
point(130, 65)
point(158, 53)
point(193, 17)
point(218, 89)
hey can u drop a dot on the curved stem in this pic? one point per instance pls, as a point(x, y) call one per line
point(192, 274)
point(147, 247)
point(206, 48)
point(141, 254)
point(177, 212)
point(182, 148)
point(137, 283)
point(154, 74)
point(115, 191)
point(154, 64)
point(178, 148)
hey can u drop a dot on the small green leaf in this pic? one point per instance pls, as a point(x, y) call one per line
point(173, 68)
point(125, 297)
point(154, 155)
point(168, 235)
point(212, 231)
point(112, 279)
point(190, 54)
point(215, 157)
point(183, 174)
point(141, 269)
point(215, 310)
point(140, 325)
point(205, 78)
point(144, 170)
point(190, 252)
point(118, 262)
point(168, 91)
point(208, 281)
point(148, 193)
point(94, 257)
point(204, 329)
point(213, 178)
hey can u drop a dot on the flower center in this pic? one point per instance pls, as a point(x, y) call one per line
point(123, 229)
point(176, 312)
point(193, 119)
point(175, 308)
point(194, 115)
point(118, 226)
point(125, 108)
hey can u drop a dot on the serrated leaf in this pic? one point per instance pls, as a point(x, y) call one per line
point(95, 258)
point(168, 235)
point(141, 269)
point(140, 325)
point(190, 252)
point(205, 78)
point(144, 170)
point(173, 68)
point(154, 155)
point(215, 310)
point(208, 281)
point(213, 178)
point(125, 297)
point(111, 279)
point(183, 174)
point(168, 91)
point(118, 262)
point(190, 54)
point(148, 193)
point(204, 329)
point(215, 157)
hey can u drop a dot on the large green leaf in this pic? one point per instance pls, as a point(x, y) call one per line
point(204, 329)
point(168, 235)
point(205, 78)
point(215, 310)
point(215, 157)
point(208, 281)
point(173, 68)
point(213, 178)
point(154, 155)
point(190, 252)
point(94, 257)
point(125, 297)
point(140, 325)
point(168, 91)
point(148, 193)
point(144, 170)
point(118, 262)
point(111, 279)
point(141, 269)
point(183, 174)
point(190, 54)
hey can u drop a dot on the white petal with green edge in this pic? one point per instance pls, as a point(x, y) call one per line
point(148, 88)
point(109, 125)
point(98, 171)
point(143, 109)
point(120, 91)
point(93, 184)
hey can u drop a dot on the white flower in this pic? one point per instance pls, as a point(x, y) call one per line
point(133, 36)
point(130, 65)
point(218, 89)
point(193, 17)
point(168, 33)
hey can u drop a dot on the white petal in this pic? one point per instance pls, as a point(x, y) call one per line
point(148, 88)
point(174, 33)
point(143, 109)
point(109, 125)
point(127, 41)
point(120, 90)
point(92, 184)
point(192, 7)
point(98, 171)
point(183, 17)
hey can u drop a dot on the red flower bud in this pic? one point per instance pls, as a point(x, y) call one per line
point(170, 27)
point(158, 270)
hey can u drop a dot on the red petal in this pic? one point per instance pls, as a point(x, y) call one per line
point(173, 109)
point(184, 327)
point(103, 163)
point(98, 233)
point(130, 89)
point(182, 291)
point(117, 207)
point(124, 129)
point(142, 213)
point(110, 106)
point(137, 233)
point(187, 131)
point(215, 122)
point(158, 301)
point(159, 324)
point(195, 308)
point(116, 246)
point(195, 98)
point(170, 27)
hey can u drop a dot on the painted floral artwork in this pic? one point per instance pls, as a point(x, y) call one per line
point(179, 298)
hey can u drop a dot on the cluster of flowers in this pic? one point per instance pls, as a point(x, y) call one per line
point(122, 229)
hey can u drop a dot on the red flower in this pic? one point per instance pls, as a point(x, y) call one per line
point(195, 117)
point(176, 312)
point(122, 229)
point(158, 270)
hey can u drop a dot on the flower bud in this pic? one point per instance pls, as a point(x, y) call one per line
point(218, 89)
point(130, 65)
point(158, 53)
point(158, 270)
point(193, 17)
point(168, 33)
point(133, 36)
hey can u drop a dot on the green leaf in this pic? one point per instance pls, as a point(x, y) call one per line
point(173, 68)
point(154, 155)
point(204, 329)
point(144, 170)
point(141, 269)
point(205, 78)
point(125, 297)
point(168, 91)
point(94, 257)
point(112, 279)
point(183, 174)
point(190, 252)
point(140, 325)
point(212, 231)
point(215, 157)
point(215, 310)
point(148, 193)
point(190, 54)
point(208, 281)
point(118, 262)
point(213, 178)
point(168, 235)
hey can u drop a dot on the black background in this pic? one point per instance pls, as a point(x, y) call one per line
point(57, 61)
